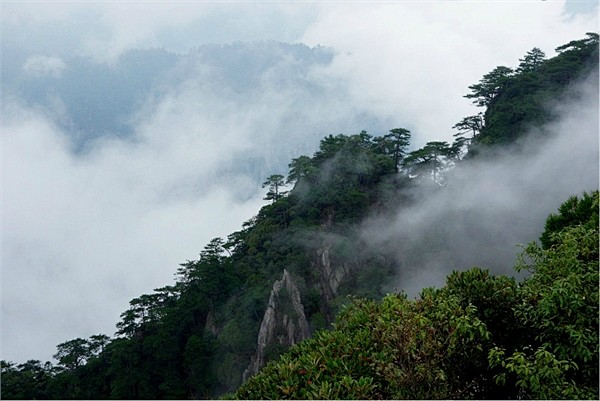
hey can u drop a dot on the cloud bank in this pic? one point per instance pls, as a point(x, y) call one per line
point(490, 206)
point(82, 234)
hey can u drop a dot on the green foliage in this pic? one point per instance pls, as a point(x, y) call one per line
point(490, 86)
point(494, 297)
point(338, 181)
point(470, 125)
point(559, 306)
point(73, 353)
point(540, 374)
point(516, 101)
point(198, 355)
point(379, 350)
point(28, 380)
point(480, 336)
point(532, 60)
point(274, 182)
point(395, 144)
point(574, 211)
point(301, 168)
point(431, 160)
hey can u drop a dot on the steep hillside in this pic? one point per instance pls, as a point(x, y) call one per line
point(516, 100)
point(480, 336)
point(288, 272)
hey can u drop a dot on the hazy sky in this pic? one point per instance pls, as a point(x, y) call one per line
point(84, 234)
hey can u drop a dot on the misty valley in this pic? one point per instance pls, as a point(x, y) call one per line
point(376, 268)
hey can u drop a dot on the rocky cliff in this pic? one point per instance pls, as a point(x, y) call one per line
point(284, 323)
point(330, 278)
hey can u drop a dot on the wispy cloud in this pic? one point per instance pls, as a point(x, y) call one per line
point(82, 234)
point(490, 206)
point(413, 61)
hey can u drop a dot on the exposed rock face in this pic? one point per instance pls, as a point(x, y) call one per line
point(211, 324)
point(330, 278)
point(284, 322)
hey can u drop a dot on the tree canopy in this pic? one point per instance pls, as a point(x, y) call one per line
point(517, 100)
point(479, 336)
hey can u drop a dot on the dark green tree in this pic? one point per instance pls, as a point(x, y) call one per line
point(274, 182)
point(469, 127)
point(197, 359)
point(97, 344)
point(430, 161)
point(532, 60)
point(27, 381)
point(576, 210)
point(301, 168)
point(395, 144)
point(490, 86)
point(73, 353)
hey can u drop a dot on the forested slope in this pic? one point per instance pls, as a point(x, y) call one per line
point(287, 273)
point(516, 100)
point(480, 336)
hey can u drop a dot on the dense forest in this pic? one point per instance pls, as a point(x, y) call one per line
point(480, 336)
point(298, 275)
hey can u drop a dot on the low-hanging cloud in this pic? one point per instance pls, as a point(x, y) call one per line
point(105, 30)
point(489, 206)
point(84, 233)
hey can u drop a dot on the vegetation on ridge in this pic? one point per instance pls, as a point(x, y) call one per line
point(480, 336)
point(195, 338)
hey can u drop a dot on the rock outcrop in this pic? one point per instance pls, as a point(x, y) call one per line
point(284, 322)
point(330, 278)
point(211, 324)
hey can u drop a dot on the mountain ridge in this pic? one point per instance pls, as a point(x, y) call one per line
point(197, 337)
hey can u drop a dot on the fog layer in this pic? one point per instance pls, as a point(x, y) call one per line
point(488, 207)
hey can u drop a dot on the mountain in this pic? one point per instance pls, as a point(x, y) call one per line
point(480, 336)
point(290, 270)
point(95, 100)
point(517, 100)
point(94, 103)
